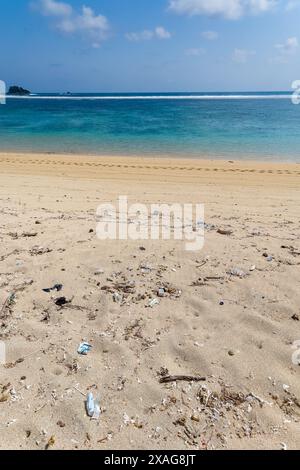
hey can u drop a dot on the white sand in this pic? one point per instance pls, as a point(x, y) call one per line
point(243, 348)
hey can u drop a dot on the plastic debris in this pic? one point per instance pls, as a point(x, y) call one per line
point(57, 287)
point(117, 297)
point(99, 271)
point(92, 407)
point(161, 292)
point(145, 268)
point(126, 419)
point(84, 349)
point(61, 301)
point(237, 272)
point(153, 302)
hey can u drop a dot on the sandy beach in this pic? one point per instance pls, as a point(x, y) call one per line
point(230, 314)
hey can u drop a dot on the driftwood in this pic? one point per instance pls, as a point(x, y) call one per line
point(175, 378)
point(203, 280)
point(15, 252)
point(224, 232)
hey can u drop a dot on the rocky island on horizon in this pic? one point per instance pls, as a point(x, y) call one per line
point(18, 91)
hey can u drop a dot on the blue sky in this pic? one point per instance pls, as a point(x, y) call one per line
point(150, 45)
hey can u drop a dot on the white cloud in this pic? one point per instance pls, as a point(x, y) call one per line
point(145, 35)
point(260, 6)
point(229, 9)
point(210, 35)
point(286, 51)
point(162, 33)
point(241, 56)
point(52, 8)
point(195, 52)
point(289, 47)
point(87, 22)
point(158, 33)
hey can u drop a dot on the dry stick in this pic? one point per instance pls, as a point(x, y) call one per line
point(15, 252)
point(79, 391)
point(13, 293)
point(32, 353)
point(201, 265)
point(40, 408)
point(214, 278)
point(175, 378)
point(6, 303)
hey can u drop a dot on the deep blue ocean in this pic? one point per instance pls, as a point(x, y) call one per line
point(262, 126)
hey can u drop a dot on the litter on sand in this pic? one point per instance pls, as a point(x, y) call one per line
point(61, 301)
point(57, 287)
point(92, 407)
point(84, 349)
point(237, 272)
point(161, 292)
point(117, 298)
point(153, 302)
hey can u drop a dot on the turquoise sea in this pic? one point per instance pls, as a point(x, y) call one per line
point(262, 126)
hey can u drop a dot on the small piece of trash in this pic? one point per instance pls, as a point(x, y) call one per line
point(161, 292)
point(92, 407)
point(61, 301)
point(84, 349)
point(126, 419)
point(99, 271)
point(117, 297)
point(153, 302)
point(145, 268)
point(57, 287)
point(237, 272)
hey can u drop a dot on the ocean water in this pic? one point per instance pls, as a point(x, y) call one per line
point(263, 126)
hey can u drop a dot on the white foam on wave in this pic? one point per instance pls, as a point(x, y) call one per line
point(155, 97)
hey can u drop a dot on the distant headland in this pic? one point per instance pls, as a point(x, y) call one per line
point(18, 91)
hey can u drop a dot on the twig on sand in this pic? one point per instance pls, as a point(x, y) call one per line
point(79, 391)
point(40, 408)
point(175, 378)
point(8, 301)
point(15, 252)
